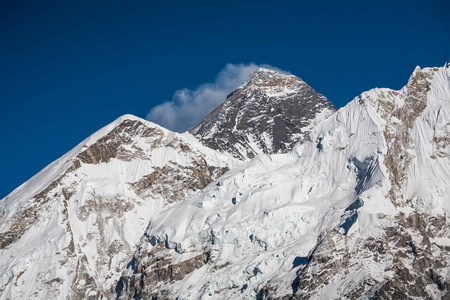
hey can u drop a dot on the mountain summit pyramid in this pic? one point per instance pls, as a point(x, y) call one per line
point(268, 114)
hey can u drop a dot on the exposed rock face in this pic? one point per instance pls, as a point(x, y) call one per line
point(268, 114)
point(122, 143)
point(175, 183)
point(359, 210)
point(28, 215)
point(413, 265)
point(400, 121)
point(157, 268)
point(70, 231)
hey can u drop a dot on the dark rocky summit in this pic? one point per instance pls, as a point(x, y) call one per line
point(268, 114)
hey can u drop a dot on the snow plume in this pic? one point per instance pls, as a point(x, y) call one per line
point(188, 107)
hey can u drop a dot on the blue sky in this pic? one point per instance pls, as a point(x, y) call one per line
point(67, 68)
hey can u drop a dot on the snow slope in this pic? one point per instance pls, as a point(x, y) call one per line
point(359, 209)
point(70, 230)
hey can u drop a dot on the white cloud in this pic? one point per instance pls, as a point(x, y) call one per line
point(189, 107)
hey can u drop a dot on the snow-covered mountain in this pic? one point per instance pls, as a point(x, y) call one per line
point(358, 210)
point(70, 230)
point(349, 204)
point(269, 113)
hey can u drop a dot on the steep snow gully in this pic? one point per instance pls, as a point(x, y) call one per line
point(275, 195)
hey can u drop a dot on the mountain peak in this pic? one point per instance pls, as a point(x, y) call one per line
point(90, 207)
point(268, 114)
point(266, 71)
point(264, 78)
